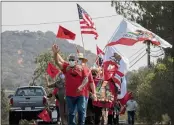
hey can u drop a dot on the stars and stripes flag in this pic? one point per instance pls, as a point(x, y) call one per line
point(86, 24)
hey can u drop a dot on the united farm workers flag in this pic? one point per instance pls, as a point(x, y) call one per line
point(52, 70)
point(129, 33)
point(65, 33)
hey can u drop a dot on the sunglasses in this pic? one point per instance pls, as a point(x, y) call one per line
point(71, 60)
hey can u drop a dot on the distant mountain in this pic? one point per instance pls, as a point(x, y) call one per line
point(27, 45)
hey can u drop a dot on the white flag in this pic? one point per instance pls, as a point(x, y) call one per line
point(129, 33)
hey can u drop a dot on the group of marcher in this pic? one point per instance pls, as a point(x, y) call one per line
point(89, 99)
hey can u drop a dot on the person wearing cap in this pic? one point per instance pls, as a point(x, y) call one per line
point(89, 87)
point(131, 107)
point(76, 76)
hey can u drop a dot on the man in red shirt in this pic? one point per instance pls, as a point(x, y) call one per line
point(76, 77)
point(90, 87)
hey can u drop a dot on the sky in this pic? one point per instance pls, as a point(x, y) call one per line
point(14, 13)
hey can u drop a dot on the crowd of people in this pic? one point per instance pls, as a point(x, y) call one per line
point(89, 99)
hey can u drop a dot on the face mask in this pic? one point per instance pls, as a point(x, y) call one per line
point(79, 62)
point(72, 63)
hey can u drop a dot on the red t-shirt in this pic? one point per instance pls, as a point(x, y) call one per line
point(106, 104)
point(73, 79)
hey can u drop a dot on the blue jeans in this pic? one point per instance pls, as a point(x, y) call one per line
point(131, 116)
point(74, 105)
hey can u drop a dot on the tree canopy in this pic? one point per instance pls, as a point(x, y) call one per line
point(153, 87)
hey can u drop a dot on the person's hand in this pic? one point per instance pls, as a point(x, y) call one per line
point(55, 48)
point(79, 89)
point(94, 97)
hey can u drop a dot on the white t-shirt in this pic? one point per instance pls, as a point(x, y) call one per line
point(131, 105)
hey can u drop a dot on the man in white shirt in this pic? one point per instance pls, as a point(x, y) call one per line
point(131, 107)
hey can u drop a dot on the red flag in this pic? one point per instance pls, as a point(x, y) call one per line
point(99, 51)
point(52, 70)
point(55, 91)
point(123, 110)
point(65, 33)
point(124, 100)
point(109, 69)
point(44, 115)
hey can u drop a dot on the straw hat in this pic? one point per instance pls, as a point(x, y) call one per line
point(95, 69)
point(81, 56)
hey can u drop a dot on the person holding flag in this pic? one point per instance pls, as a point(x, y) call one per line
point(59, 93)
point(76, 76)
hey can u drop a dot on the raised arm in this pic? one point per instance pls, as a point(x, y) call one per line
point(57, 58)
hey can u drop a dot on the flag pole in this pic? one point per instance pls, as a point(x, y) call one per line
point(81, 33)
point(104, 50)
point(82, 42)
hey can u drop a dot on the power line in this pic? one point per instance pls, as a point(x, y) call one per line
point(155, 50)
point(137, 56)
point(136, 52)
point(138, 60)
point(157, 55)
point(66, 21)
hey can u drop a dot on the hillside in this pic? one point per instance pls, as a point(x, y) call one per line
point(30, 45)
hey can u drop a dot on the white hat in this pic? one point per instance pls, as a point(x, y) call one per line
point(80, 56)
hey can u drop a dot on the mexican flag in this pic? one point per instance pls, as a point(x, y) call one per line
point(129, 33)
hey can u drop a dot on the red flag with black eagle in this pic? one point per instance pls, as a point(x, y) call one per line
point(52, 70)
point(65, 33)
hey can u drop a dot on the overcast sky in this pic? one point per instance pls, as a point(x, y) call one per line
point(14, 13)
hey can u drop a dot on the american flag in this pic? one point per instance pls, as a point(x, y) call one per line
point(86, 24)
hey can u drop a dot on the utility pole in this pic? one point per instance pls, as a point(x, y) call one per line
point(148, 47)
point(148, 53)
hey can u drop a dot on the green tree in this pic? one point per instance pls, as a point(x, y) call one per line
point(154, 91)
